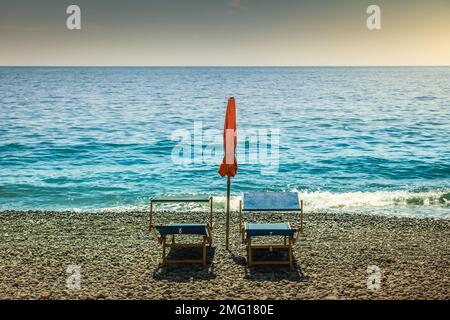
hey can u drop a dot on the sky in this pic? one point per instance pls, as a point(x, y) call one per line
point(224, 33)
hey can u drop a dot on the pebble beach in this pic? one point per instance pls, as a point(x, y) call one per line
point(119, 259)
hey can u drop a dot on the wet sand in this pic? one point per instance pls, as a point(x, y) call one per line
point(120, 259)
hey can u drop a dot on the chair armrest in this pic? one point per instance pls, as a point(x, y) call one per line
point(155, 234)
point(297, 234)
point(209, 228)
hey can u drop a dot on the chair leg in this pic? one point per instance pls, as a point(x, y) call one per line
point(246, 249)
point(204, 250)
point(290, 252)
point(211, 239)
point(249, 246)
point(164, 250)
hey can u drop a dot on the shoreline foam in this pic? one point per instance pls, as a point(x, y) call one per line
point(401, 203)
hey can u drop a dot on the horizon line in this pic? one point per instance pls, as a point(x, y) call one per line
point(221, 66)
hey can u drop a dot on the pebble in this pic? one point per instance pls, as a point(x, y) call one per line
point(119, 259)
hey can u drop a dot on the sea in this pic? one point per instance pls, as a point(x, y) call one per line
point(372, 140)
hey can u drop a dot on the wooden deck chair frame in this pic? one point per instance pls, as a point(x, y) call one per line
point(168, 244)
point(287, 244)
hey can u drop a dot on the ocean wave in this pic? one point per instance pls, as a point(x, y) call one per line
point(319, 200)
point(390, 203)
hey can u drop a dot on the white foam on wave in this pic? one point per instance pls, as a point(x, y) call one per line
point(323, 201)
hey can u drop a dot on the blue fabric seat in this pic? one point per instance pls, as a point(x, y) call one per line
point(183, 228)
point(271, 201)
point(269, 229)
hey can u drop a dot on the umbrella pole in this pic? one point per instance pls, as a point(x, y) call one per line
point(228, 214)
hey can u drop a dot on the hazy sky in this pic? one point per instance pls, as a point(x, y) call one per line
point(225, 32)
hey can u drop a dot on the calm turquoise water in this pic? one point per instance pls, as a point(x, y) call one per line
point(374, 139)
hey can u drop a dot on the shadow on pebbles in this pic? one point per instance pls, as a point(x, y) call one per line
point(73, 255)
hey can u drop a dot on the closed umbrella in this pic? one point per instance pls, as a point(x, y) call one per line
point(229, 163)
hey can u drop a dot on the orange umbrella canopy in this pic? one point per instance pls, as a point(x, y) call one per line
point(229, 162)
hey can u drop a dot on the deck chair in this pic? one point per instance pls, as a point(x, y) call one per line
point(273, 202)
point(163, 232)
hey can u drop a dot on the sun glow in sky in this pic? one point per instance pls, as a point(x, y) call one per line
point(225, 33)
